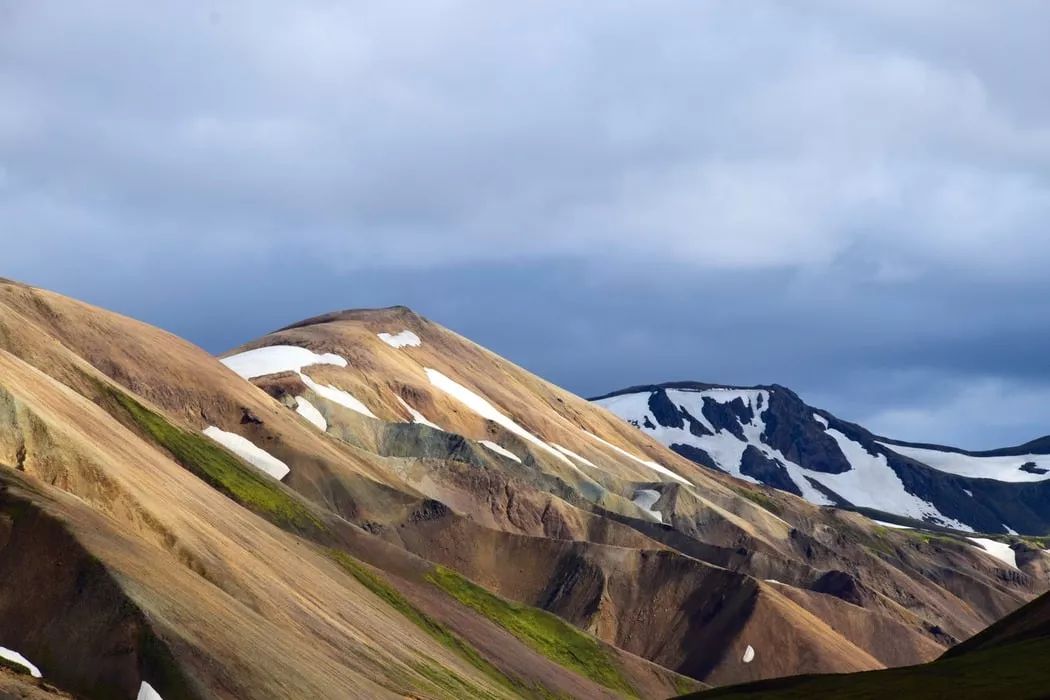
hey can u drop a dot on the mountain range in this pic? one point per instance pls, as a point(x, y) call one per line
point(366, 504)
point(768, 435)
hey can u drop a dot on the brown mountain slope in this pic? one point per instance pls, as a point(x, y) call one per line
point(104, 418)
point(899, 575)
point(1007, 660)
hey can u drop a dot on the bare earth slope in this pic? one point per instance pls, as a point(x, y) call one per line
point(1008, 660)
point(367, 504)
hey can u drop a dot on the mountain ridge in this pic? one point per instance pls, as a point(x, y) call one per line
point(785, 444)
point(447, 524)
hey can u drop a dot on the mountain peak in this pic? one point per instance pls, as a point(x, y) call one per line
point(768, 434)
point(376, 315)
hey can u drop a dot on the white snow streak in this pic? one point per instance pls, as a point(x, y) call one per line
point(418, 417)
point(895, 526)
point(486, 410)
point(749, 654)
point(15, 657)
point(246, 450)
point(308, 411)
point(822, 420)
point(570, 453)
point(278, 358)
point(499, 449)
point(343, 398)
point(998, 468)
point(644, 462)
point(999, 550)
point(146, 692)
point(400, 340)
point(646, 499)
point(291, 358)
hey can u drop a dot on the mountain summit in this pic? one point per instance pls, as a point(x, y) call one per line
point(768, 435)
point(366, 504)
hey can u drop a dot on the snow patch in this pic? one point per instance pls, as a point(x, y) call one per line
point(895, 526)
point(291, 358)
point(278, 358)
point(749, 654)
point(246, 450)
point(872, 483)
point(968, 492)
point(822, 420)
point(499, 449)
point(343, 398)
point(146, 692)
point(998, 468)
point(401, 340)
point(646, 499)
point(308, 411)
point(999, 550)
point(418, 417)
point(486, 410)
point(15, 657)
point(644, 462)
point(566, 451)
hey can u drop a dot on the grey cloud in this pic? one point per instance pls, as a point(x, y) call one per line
point(828, 195)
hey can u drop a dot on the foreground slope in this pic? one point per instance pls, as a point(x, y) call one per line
point(137, 551)
point(767, 434)
point(1008, 660)
point(366, 504)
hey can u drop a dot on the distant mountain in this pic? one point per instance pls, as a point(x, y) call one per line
point(768, 435)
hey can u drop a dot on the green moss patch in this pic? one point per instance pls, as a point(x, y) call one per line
point(17, 669)
point(761, 499)
point(219, 468)
point(432, 627)
point(545, 633)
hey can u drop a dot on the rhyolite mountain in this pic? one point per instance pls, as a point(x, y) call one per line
point(768, 435)
point(367, 505)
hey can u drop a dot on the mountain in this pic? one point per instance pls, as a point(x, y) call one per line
point(366, 504)
point(768, 435)
point(1008, 660)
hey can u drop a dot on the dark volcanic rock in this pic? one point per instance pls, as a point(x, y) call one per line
point(754, 463)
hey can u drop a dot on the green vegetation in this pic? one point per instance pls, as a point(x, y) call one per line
point(1016, 671)
point(685, 684)
point(760, 499)
point(447, 681)
point(542, 631)
point(210, 462)
point(934, 538)
point(18, 669)
point(439, 632)
point(435, 629)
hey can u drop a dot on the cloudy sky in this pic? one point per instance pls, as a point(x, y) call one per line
point(848, 198)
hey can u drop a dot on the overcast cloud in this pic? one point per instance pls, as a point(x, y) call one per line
point(849, 198)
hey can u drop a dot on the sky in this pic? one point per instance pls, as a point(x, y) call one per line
point(849, 198)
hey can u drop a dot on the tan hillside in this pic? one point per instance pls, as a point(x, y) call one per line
point(396, 558)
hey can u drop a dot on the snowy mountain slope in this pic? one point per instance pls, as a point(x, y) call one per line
point(768, 435)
